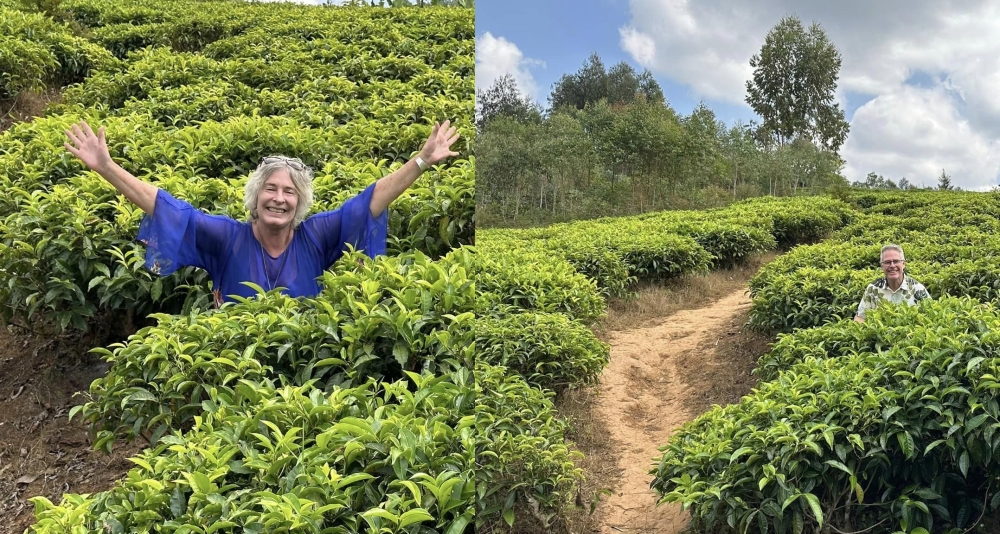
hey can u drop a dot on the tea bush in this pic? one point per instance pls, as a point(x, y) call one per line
point(799, 220)
point(518, 280)
point(374, 319)
point(522, 458)
point(191, 106)
point(378, 457)
point(548, 349)
point(606, 268)
point(37, 52)
point(617, 252)
point(891, 422)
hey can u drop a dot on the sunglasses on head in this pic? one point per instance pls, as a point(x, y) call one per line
point(294, 163)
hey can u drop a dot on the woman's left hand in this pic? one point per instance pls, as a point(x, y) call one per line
point(438, 145)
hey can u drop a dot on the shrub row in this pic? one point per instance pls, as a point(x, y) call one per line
point(522, 459)
point(950, 248)
point(549, 350)
point(37, 53)
point(220, 27)
point(616, 252)
point(374, 319)
point(515, 281)
point(378, 457)
point(887, 425)
point(314, 81)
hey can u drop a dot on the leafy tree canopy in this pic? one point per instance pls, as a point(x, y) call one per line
point(619, 85)
point(503, 99)
point(792, 89)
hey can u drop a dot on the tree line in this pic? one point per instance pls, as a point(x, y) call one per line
point(877, 181)
point(610, 144)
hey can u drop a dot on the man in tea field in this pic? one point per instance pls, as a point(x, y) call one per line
point(895, 287)
point(278, 246)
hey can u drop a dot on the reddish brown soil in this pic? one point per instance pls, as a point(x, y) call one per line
point(41, 451)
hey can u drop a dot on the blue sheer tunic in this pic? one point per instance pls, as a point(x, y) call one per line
point(178, 235)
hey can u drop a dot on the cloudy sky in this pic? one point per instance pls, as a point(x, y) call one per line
point(916, 79)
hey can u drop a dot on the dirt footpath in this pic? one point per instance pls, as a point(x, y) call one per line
point(41, 451)
point(659, 378)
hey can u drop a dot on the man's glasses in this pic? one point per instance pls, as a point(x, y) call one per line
point(889, 263)
point(294, 163)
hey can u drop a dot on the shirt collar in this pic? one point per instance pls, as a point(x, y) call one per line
point(904, 285)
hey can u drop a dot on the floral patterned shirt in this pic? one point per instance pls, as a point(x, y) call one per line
point(910, 292)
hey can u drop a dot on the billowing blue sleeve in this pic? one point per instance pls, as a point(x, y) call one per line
point(351, 224)
point(178, 235)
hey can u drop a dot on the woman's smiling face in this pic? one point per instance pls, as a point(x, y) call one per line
point(277, 200)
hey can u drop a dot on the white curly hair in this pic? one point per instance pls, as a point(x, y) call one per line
point(301, 175)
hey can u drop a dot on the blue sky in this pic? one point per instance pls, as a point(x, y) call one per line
point(917, 83)
point(563, 34)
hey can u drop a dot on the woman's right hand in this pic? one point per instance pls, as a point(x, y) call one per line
point(91, 148)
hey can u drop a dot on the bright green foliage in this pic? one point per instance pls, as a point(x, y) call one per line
point(813, 296)
point(36, 52)
point(521, 455)
point(548, 349)
point(884, 426)
point(92, 263)
point(649, 250)
point(539, 287)
point(607, 268)
point(646, 255)
point(948, 239)
point(348, 412)
point(350, 91)
point(373, 319)
point(518, 280)
point(379, 457)
point(894, 421)
point(796, 221)
point(436, 218)
point(616, 252)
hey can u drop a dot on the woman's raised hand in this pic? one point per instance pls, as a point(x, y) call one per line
point(91, 148)
point(438, 145)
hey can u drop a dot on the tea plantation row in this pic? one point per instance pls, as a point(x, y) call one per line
point(886, 426)
point(352, 411)
point(196, 120)
point(538, 290)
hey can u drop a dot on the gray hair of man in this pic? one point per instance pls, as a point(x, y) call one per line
point(301, 175)
point(897, 248)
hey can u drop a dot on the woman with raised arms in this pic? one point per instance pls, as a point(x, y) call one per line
point(278, 246)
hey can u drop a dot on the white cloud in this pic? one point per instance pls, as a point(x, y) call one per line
point(496, 56)
point(903, 130)
point(915, 132)
point(639, 45)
